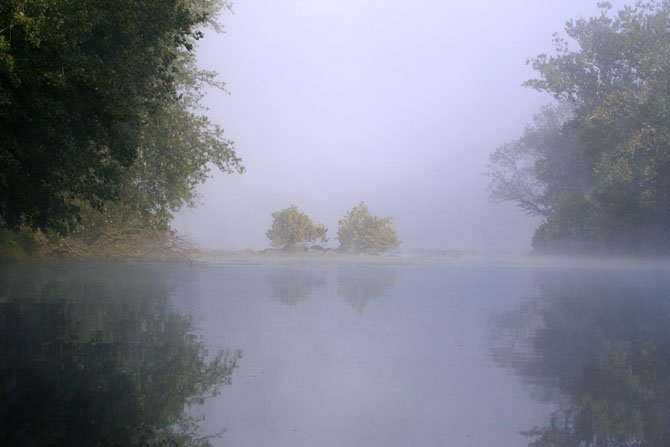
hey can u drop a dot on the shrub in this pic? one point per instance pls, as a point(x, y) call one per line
point(360, 232)
point(292, 229)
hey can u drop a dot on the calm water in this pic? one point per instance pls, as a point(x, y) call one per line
point(294, 354)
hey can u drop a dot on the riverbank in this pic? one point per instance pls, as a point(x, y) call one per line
point(26, 245)
point(138, 247)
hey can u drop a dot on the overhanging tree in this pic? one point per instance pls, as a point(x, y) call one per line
point(86, 88)
point(178, 146)
point(597, 166)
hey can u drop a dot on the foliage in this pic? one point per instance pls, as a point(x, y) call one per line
point(100, 107)
point(291, 229)
point(20, 245)
point(597, 165)
point(178, 145)
point(360, 232)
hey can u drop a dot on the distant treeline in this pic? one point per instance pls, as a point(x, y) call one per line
point(102, 135)
point(596, 164)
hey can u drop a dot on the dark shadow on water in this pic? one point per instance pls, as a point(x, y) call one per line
point(360, 284)
point(597, 345)
point(95, 355)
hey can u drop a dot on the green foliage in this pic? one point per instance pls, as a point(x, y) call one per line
point(360, 232)
point(597, 165)
point(100, 106)
point(19, 245)
point(291, 229)
point(177, 148)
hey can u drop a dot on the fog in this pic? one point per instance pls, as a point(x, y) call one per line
point(395, 103)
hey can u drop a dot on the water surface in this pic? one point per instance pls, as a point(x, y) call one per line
point(331, 354)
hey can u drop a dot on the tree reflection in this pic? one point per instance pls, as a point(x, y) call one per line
point(290, 284)
point(359, 284)
point(94, 355)
point(598, 346)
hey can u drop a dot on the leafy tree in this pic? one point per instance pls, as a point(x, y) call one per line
point(360, 232)
point(98, 98)
point(177, 148)
point(291, 229)
point(597, 165)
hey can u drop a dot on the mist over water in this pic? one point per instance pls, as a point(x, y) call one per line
point(399, 105)
point(389, 112)
point(418, 353)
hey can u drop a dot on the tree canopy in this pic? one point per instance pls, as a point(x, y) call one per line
point(360, 232)
point(596, 164)
point(291, 229)
point(99, 105)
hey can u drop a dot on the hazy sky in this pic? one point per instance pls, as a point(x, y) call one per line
point(396, 103)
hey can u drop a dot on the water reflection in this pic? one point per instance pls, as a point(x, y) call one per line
point(598, 346)
point(94, 355)
point(359, 284)
point(291, 284)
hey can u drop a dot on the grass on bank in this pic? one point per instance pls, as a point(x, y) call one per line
point(25, 244)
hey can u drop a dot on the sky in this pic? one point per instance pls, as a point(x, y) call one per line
point(399, 104)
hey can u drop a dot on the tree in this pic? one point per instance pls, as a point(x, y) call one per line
point(178, 146)
point(597, 165)
point(291, 229)
point(87, 90)
point(360, 232)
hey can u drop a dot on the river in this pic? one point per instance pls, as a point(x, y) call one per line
point(261, 353)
